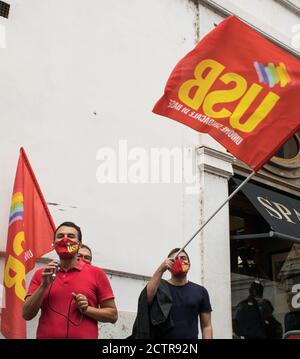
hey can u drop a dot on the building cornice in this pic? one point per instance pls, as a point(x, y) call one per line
point(267, 178)
point(223, 12)
point(215, 162)
point(289, 5)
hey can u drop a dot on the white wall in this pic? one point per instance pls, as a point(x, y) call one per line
point(63, 62)
point(77, 77)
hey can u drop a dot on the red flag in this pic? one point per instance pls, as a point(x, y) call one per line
point(239, 88)
point(30, 235)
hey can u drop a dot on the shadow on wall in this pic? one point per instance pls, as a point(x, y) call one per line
point(120, 330)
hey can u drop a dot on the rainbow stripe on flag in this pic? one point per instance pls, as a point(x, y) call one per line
point(16, 208)
point(271, 74)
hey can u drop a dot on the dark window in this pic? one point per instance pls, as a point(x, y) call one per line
point(274, 262)
point(4, 9)
point(289, 150)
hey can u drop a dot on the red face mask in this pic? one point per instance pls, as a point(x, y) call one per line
point(180, 267)
point(66, 248)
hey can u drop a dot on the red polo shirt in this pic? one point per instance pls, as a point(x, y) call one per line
point(84, 279)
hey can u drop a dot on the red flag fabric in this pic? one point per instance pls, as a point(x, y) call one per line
point(239, 88)
point(30, 235)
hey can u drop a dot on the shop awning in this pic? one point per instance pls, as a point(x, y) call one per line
point(281, 211)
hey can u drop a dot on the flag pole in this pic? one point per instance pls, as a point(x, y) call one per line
point(247, 179)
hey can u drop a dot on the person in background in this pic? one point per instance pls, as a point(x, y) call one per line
point(254, 316)
point(85, 253)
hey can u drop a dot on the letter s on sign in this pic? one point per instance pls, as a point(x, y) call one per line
point(268, 206)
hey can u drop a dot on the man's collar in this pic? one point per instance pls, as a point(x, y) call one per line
point(78, 266)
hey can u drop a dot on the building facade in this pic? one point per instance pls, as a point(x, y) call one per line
point(79, 81)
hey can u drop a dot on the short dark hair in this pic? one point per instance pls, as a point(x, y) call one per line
point(88, 248)
point(256, 289)
point(175, 250)
point(70, 224)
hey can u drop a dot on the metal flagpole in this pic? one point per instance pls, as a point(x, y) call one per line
point(222, 205)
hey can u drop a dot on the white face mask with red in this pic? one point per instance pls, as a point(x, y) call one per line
point(66, 248)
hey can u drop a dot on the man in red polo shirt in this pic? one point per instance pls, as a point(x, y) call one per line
point(72, 295)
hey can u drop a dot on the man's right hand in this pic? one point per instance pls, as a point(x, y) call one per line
point(153, 283)
point(47, 273)
point(166, 264)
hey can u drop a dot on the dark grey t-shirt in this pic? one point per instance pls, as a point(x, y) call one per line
point(189, 301)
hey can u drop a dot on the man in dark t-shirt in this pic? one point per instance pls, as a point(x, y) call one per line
point(190, 301)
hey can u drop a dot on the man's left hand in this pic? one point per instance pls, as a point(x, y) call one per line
point(81, 301)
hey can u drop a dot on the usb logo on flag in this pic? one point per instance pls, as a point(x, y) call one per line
point(239, 88)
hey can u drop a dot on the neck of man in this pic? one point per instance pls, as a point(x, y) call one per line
point(67, 263)
point(175, 280)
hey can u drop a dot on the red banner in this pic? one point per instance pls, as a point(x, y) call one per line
point(30, 235)
point(239, 88)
